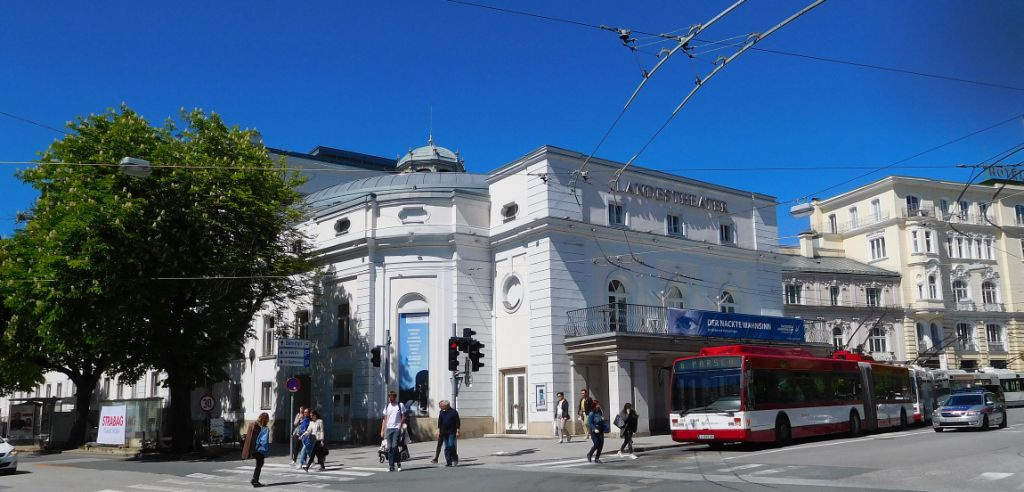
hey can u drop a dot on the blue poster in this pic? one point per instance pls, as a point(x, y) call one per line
point(414, 361)
point(693, 322)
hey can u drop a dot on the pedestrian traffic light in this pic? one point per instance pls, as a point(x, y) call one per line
point(375, 356)
point(454, 344)
point(475, 355)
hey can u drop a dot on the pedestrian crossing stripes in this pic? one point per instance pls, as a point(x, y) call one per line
point(283, 478)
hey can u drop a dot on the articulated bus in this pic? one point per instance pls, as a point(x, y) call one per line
point(746, 393)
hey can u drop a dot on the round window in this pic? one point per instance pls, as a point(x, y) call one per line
point(512, 293)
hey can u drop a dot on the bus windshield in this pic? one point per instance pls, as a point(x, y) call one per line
point(707, 384)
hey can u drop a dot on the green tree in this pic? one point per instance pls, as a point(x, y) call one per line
point(180, 261)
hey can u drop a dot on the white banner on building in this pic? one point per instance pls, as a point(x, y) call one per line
point(111, 425)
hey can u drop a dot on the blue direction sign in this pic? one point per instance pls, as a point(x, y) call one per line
point(293, 385)
point(293, 352)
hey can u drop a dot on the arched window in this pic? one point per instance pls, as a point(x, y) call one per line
point(965, 337)
point(913, 206)
point(877, 341)
point(933, 287)
point(924, 341)
point(837, 338)
point(674, 299)
point(960, 291)
point(617, 306)
point(988, 292)
point(726, 303)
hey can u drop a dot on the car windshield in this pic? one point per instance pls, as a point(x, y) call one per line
point(958, 400)
point(707, 385)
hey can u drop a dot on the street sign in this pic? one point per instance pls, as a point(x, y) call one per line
point(206, 403)
point(293, 352)
point(293, 385)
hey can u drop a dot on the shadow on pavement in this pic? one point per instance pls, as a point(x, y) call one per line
point(518, 452)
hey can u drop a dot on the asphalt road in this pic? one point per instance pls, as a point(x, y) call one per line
point(917, 459)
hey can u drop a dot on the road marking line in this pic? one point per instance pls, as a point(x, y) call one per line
point(547, 463)
point(776, 470)
point(159, 488)
point(586, 463)
point(740, 467)
point(992, 476)
point(203, 476)
point(366, 468)
point(307, 476)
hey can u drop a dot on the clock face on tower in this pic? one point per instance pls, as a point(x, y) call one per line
point(511, 293)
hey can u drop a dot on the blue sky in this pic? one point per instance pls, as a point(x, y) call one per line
point(362, 76)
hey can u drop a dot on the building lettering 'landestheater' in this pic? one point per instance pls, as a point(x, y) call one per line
point(567, 286)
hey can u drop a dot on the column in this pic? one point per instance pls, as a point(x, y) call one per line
point(628, 381)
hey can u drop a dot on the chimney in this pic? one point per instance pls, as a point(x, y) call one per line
point(807, 246)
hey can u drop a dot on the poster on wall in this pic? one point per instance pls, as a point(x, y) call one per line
point(693, 322)
point(22, 422)
point(112, 425)
point(414, 361)
point(541, 395)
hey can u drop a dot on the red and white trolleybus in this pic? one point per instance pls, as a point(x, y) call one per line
point(745, 393)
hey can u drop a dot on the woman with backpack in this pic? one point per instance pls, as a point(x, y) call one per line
point(626, 421)
point(257, 445)
point(598, 426)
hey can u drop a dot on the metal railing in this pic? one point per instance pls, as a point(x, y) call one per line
point(992, 307)
point(966, 346)
point(909, 212)
point(999, 346)
point(965, 306)
point(860, 223)
point(640, 319)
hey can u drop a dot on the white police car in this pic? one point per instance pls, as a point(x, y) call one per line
point(971, 409)
point(8, 457)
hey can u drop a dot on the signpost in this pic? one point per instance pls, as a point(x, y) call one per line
point(293, 385)
point(292, 352)
point(206, 403)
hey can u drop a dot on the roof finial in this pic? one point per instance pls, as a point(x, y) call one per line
point(430, 129)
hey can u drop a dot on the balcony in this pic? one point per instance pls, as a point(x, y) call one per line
point(867, 221)
point(966, 218)
point(645, 320)
point(993, 307)
point(966, 346)
point(917, 212)
point(997, 346)
point(965, 306)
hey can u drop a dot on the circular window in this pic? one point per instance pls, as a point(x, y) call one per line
point(341, 226)
point(511, 293)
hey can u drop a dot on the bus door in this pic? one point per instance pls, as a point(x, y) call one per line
point(870, 417)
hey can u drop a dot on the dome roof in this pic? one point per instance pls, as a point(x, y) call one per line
point(430, 157)
point(398, 183)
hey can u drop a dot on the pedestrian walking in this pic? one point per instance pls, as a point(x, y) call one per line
point(314, 435)
point(562, 419)
point(583, 407)
point(303, 426)
point(257, 445)
point(628, 419)
point(448, 429)
point(297, 433)
point(597, 426)
point(391, 429)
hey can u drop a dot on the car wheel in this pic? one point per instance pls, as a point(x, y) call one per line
point(783, 432)
point(854, 424)
point(938, 429)
point(1002, 425)
point(984, 423)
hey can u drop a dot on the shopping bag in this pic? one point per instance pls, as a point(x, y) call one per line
point(619, 422)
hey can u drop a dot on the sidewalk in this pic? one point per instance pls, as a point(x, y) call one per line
point(504, 450)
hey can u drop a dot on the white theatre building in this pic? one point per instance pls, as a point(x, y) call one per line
point(565, 295)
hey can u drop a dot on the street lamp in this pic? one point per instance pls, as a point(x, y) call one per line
point(133, 166)
point(252, 359)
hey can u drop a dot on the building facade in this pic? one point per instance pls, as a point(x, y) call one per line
point(958, 249)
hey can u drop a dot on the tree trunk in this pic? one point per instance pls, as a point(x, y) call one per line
point(181, 409)
point(85, 387)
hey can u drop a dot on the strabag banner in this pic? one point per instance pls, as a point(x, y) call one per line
point(112, 425)
point(697, 323)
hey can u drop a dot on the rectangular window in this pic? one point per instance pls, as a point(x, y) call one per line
point(344, 324)
point(833, 225)
point(977, 248)
point(965, 208)
point(949, 246)
point(982, 212)
point(874, 296)
point(49, 389)
point(994, 333)
point(302, 324)
point(837, 339)
point(616, 215)
point(959, 247)
point(833, 295)
point(854, 220)
point(915, 246)
point(965, 337)
point(120, 390)
point(673, 225)
point(726, 234)
point(106, 389)
point(877, 248)
point(60, 386)
point(268, 336)
point(154, 383)
point(236, 396)
point(793, 294)
point(1019, 213)
point(878, 341)
point(928, 242)
point(266, 395)
point(944, 208)
point(876, 211)
point(989, 250)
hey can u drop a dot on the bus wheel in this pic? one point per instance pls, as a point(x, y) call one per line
point(903, 419)
point(854, 424)
point(783, 432)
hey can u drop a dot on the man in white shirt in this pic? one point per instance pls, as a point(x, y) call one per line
point(562, 418)
point(391, 429)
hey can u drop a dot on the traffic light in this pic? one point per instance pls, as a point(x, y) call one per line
point(454, 343)
point(375, 356)
point(468, 333)
point(475, 355)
